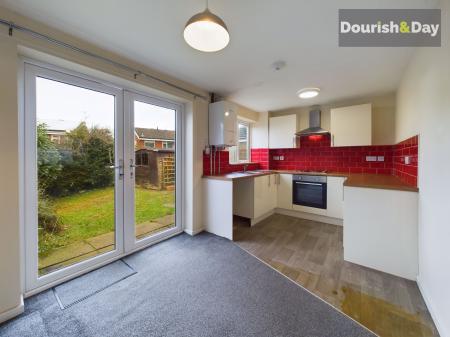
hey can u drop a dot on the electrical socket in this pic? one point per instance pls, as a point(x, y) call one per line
point(371, 158)
point(380, 158)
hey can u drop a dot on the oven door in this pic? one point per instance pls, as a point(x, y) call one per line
point(309, 194)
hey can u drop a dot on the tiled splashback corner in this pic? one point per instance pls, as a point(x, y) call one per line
point(261, 156)
point(406, 160)
point(316, 153)
point(222, 164)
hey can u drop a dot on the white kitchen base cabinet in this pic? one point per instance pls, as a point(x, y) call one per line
point(255, 198)
point(284, 193)
point(218, 207)
point(335, 197)
point(380, 230)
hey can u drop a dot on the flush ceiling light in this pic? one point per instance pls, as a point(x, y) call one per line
point(206, 32)
point(308, 93)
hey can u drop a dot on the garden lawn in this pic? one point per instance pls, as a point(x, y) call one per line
point(91, 213)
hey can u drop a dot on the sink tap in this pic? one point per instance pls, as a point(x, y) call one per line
point(245, 167)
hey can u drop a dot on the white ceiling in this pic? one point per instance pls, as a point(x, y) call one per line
point(303, 33)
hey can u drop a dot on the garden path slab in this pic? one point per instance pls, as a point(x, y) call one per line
point(102, 241)
point(65, 253)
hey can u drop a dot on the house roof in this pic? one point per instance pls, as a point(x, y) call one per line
point(155, 134)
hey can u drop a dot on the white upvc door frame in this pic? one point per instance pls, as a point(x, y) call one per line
point(124, 188)
point(131, 244)
point(32, 279)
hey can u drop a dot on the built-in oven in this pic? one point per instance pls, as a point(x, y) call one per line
point(309, 190)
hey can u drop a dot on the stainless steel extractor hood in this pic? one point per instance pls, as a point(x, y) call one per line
point(314, 124)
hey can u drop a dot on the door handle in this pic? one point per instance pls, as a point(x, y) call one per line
point(315, 184)
point(118, 167)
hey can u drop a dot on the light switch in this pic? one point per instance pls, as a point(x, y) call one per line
point(281, 157)
point(380, 158)
point(407, 160)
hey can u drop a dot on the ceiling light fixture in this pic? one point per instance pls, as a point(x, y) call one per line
point(206, 32)
point(308, 93)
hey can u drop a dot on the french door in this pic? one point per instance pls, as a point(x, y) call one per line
point(101, 173)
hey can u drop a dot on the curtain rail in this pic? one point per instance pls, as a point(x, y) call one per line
point(136, 72)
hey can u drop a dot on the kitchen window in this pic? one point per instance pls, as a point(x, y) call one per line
point(241, 152)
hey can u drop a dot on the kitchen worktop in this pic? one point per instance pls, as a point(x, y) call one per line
point(378, 181)
point(353, 179)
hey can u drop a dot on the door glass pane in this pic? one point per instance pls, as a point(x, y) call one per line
point(76, 184)
point(155, 160)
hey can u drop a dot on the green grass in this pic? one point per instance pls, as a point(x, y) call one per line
point(88, 214)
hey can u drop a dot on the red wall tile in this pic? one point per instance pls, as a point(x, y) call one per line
point(316, 154)
point(407, 173)
point(222, 164)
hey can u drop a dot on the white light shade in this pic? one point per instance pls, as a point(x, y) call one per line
point(206, 32)
point(308, 93)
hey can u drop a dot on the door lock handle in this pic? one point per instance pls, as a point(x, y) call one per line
point(118, 167)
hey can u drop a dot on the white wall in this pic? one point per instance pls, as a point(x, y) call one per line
point(10, 287)
point(424, 108)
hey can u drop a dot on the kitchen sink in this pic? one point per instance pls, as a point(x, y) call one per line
point(250, 172)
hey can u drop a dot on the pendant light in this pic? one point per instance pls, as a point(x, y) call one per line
point(206, 32)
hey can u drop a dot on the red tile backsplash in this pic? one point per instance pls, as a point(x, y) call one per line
point(222, 164)
point(260, 156)
point(408, 173)
point(316, 154)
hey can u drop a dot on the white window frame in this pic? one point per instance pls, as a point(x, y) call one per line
point(236, 147)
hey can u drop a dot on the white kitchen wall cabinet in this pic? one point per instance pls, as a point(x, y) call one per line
point(222, 123)
point(351, 126)
point(284, 192)
point(282, 131)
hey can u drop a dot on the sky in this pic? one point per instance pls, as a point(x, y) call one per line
point(60, 105)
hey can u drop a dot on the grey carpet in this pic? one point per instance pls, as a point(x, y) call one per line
point(25, 326)
point(76, 290)
point(195, 286)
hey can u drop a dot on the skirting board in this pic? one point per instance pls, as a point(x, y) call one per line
point(437, 322)
point(261, 218)
point(309, 216)
point(7, 315)
point(194, 232)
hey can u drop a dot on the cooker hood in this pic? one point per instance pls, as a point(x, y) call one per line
point(314, 124)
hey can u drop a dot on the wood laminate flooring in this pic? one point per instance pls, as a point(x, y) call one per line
point(311, 254)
